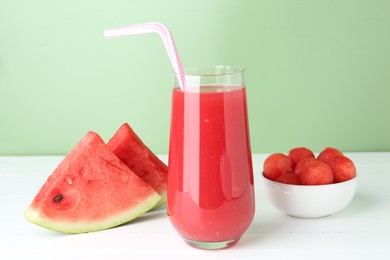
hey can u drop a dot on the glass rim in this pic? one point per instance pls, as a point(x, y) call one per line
point(195, 71)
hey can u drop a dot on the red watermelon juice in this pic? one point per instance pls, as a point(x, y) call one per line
point(210, 179)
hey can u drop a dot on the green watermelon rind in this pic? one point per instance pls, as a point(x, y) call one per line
point(163, 200)
point(75, 227)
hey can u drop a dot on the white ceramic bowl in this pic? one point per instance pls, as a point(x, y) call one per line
point(309, 201)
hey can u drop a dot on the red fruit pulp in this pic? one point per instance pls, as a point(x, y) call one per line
point(316, 173)
point(289, 178)
point(343, 168)
point(130, 149)
point(328, 154)
point(276, 164)
point(300, 153)
point(300, 167)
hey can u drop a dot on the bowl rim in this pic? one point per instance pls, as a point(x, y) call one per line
point(354, 179)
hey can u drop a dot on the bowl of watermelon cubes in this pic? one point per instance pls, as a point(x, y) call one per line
point(303, 185)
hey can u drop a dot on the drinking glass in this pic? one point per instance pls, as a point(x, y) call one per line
point(210, 197)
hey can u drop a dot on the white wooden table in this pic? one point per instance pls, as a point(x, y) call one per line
point(360, 231)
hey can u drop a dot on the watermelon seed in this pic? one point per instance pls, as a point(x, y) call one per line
point(57, 198)
point(69, 180)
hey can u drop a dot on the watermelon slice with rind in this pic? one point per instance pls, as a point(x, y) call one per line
point(129, 148)
point(90, 190)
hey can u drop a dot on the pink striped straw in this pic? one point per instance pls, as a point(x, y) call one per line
point(166, 37)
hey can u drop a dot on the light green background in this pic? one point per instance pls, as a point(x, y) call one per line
point(317, 72)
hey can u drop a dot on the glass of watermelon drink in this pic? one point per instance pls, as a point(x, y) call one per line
point(210, 198)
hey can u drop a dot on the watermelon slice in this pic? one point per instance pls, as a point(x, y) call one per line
point(90, 190)
point(129, 148)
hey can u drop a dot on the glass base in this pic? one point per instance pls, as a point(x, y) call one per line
point(211, 245)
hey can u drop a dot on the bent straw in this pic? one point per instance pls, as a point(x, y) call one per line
point(166, 37)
